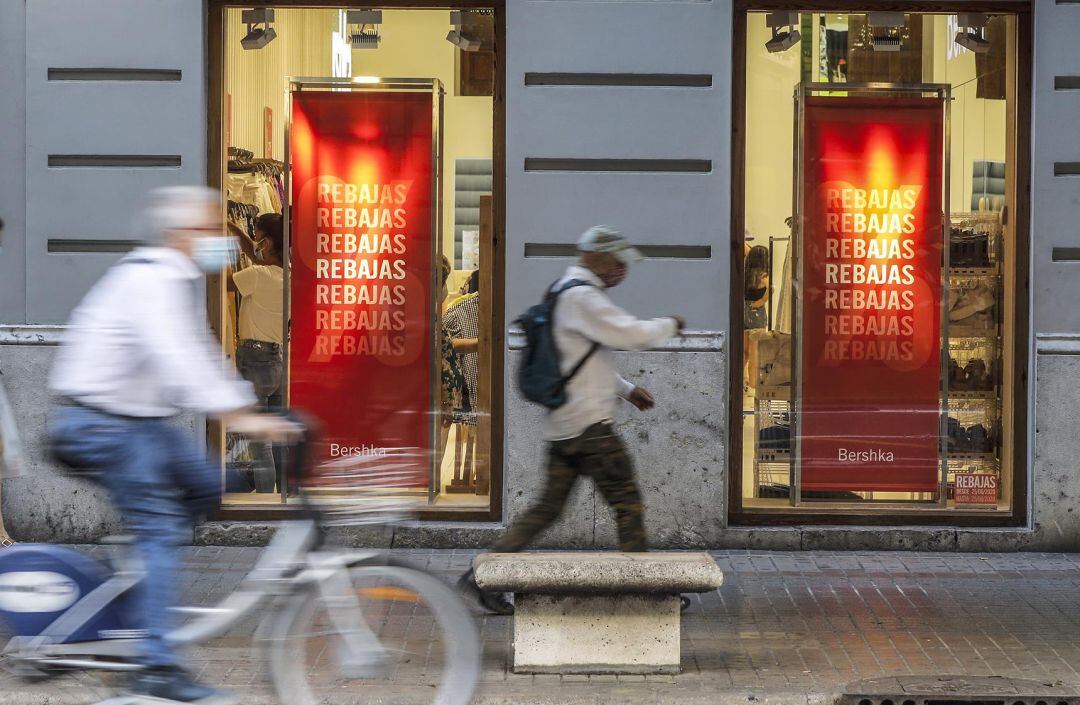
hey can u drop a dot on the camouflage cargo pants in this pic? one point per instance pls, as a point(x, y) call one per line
point(598, 453)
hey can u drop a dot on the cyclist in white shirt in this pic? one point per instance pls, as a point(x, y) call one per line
point(138, 352)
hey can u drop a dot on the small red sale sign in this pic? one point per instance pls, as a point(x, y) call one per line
point(975, 488)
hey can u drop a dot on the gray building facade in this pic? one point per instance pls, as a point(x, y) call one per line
point(75, 153)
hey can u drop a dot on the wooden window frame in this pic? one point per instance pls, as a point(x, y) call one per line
point(215, 161)
point(1020, 214)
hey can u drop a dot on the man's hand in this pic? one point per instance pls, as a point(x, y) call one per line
point(266, 427)
point(641, 399)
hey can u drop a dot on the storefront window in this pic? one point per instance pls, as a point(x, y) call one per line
point(878, 278)
point(359, 175)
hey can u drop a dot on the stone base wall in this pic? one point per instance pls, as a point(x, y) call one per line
point(679, 450)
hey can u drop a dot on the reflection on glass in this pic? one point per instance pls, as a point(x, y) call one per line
point(455, 276)
point(977, 290)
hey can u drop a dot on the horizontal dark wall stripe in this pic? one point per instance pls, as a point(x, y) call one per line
point(555, 249)
point(1067, 83)
point(676, 166)
point(115, 160)
point(78, 246)
point(1066, 168)
point(115, 74)
point(1065, 254)
point(655, 80)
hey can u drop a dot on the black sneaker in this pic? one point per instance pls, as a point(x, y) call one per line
point(493, 602)
point(174, 685)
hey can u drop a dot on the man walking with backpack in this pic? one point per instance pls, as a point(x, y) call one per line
point(582, 325)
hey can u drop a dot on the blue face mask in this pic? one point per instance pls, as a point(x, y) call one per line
point(213, 254)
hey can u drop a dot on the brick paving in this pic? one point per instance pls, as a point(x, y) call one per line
point(786, 626)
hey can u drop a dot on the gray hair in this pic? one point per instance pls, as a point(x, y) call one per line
point(173, 208)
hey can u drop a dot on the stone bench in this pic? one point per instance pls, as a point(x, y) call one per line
point(597, 612)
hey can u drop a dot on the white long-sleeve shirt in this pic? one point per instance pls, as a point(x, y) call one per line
point(584, 315)
point(138, 346)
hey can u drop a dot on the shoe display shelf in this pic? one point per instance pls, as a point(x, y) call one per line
point(975, 338)
point(772, 436)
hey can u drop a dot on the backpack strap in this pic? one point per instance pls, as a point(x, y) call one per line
point(577, 368)
point(553, 294)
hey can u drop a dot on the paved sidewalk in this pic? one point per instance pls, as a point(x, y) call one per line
point(786, 627)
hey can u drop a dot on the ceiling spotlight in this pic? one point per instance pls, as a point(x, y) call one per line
point(886, 30)
point(782, 40)
point(970, 36)
point(258, 37)
point(972, 42)
point(463, 41)
point(885, 19)
point(784, 34)
point(461, 37)
point(362, 30)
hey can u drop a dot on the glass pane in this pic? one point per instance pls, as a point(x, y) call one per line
point(456, 286)
point(827, 418)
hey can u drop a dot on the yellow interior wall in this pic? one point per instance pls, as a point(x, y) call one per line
point(256, 79)
point(770, 114)
point(414, 46)
point(978, 125)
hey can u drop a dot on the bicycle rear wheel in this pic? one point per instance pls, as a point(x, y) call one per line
point(416, 634)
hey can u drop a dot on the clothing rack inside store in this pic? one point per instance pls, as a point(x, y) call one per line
point(270, 167)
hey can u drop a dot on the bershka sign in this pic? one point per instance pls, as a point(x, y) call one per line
point(975, 489)
point(871, 251)
point(362, 269)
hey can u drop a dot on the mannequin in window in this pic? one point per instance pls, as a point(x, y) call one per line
point(755, 307)
point(454, 390)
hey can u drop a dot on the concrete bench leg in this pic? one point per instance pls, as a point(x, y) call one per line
point(629, 633)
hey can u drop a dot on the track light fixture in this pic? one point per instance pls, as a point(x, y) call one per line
point(363, 28)
point(257, 37)
point(886, 30)
point(460, 37)
point(784, 34)
point(970, 36)
point(462, 41)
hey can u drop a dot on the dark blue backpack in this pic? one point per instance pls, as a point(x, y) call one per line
point(540, 377)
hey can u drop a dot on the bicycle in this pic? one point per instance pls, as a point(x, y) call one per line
point(67, 610)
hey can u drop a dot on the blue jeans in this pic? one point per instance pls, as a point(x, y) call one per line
point(261, 364)
point(160, 482)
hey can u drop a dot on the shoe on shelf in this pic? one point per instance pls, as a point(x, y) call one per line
point(494, 602)
point(172, 684)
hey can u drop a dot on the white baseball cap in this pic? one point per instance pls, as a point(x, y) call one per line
point(605, 238)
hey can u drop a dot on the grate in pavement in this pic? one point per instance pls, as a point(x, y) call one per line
point(959, 690)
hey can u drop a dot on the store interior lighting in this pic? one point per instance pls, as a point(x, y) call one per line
point(363, 28)
point(458, 37)
point(258, 36)
point(886, 30)
point(970, 36)
point(784, 34)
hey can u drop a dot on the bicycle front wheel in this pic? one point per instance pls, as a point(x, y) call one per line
point(406, 631)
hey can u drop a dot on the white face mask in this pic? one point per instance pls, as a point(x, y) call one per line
point(215, 253)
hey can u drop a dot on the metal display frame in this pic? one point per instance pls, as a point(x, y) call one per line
point(368, 84)
point(803, 91)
